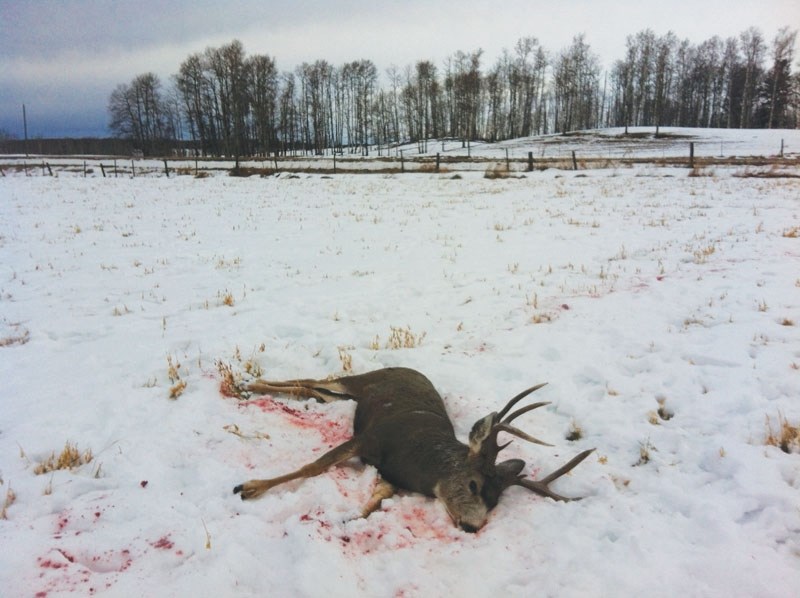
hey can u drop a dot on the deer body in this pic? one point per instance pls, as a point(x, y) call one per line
point(401, 427)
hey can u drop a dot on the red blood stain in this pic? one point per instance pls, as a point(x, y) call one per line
point(333, 432)
point(63, 522)
point(163, 543)
point(316, 518)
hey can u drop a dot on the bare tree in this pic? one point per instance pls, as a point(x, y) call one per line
point(262, 95)
point(576, 73)
point(780, 76)
point(138, 111)
point(753, 48)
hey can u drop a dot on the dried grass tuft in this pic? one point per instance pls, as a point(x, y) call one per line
point(786, 437)
point(69, 458)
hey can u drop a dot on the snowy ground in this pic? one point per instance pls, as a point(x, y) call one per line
point(662, 309)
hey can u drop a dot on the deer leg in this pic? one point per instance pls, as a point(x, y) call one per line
point(541, 487)
point(343, 452)
point(322, 390)
point(383, 489)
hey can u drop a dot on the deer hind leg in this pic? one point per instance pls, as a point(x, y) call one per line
point(322, 390)
point(383, 489)
point(339, 454)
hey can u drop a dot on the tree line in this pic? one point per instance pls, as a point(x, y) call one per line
point(228, 103)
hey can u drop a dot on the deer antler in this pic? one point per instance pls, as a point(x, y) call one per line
point(483, 436)
point(541, 487)
point(484, 448)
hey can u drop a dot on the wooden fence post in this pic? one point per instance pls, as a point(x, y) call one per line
point(437, 161)
point(133, 170)
point(530, 161)
point(50, 170)
point(781, 148)
point(508, 164)
point(166, 167)
point(574, 161)
point(115, 168)
point(103, 169)
point(84, 169)
point(691, 154)
point(402, 161)
point(334, 161)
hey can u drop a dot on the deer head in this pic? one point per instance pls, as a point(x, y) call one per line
point(471, 491)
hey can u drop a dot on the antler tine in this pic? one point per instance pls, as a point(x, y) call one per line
point(504, 427)
point(525, 409)
point(541, 487)
point(518, 398)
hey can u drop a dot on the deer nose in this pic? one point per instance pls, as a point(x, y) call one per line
point(470, 529)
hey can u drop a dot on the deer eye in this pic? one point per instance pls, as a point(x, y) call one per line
point(473, 487)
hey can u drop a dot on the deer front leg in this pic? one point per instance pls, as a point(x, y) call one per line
point(343, 452)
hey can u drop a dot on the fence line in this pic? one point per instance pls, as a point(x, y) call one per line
point(437, 163)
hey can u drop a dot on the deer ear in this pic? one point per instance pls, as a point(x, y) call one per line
point(480, 432)
point(509, 470)
point(505, 474)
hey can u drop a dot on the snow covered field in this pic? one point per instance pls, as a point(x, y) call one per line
point(662, 309)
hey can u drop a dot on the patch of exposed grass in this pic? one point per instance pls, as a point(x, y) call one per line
point(792, 233)
point(230, 383)
point(702, 254)
point(786, 437)
point(13, 334)
point(11, 496)
point(174, 374)
point(346, 359)
point(541, 318)
point(575, 432)
point(227, 299)
point(645, 448)
point(497, 171)
point(69, 458)
point(399, 338)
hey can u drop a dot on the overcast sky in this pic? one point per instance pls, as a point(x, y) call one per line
point(63, 58)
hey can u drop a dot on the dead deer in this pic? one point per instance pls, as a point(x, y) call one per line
point(402, 428)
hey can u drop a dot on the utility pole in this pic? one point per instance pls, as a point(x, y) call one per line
point(25, 127)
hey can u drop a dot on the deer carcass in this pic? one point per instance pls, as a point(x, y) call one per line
point(402, 428)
